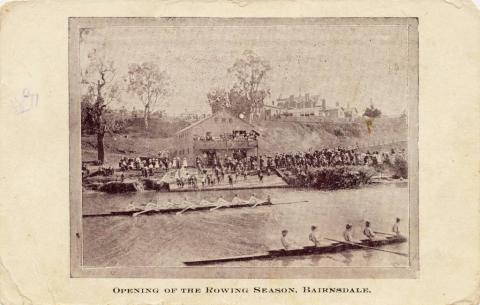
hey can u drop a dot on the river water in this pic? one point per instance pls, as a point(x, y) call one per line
point(169, 240)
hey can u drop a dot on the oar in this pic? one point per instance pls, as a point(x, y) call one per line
point(181, 212)
point(290, 202)
point(366, 247)
point(144, 211)
point(217, 207)
point(382, 233)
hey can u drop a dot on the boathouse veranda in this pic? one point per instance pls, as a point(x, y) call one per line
point(217, 136)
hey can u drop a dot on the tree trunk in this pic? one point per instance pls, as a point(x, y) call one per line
point(146, 116)
point(100, 148)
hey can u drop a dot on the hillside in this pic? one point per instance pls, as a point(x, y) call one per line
point(276, 136)
point(296, 135)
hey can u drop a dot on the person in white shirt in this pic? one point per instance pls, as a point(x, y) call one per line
point(131, 206)
point(220, 203)
point(347, 234)
point(285, 243)
point(236, 200)
point(367, 231)
point(205, 203)
point(186, 203)
point(313, 237)
point(395, 228)
point(166, 205)
point(151, 206)
point(254, 201)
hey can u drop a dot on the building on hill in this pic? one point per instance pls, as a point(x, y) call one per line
point(307, 105)
point(336, 113)
point(158, 114)
point(350, 113)
point(215, 137)
point(299, 102)
point(191, 116)
point(271, 111)
point(301, 105)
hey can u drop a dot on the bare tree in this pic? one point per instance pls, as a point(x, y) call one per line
point(249, 90)
point(150, 84)
point(100, 90)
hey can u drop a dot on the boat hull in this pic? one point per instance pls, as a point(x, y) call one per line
point(173, 210)
point(311, 250)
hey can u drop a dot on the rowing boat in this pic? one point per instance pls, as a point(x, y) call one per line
point(179, 209)
point(310, 250)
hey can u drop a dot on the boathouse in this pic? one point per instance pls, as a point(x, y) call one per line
point(216, 136)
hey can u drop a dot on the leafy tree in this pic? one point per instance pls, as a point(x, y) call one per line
point(249, 90)
point(150, 85)
point(99, 90)
point(372, 112)
point(218, 99)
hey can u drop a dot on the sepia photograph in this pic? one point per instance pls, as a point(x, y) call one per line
point(239, 152)
point(243, 147)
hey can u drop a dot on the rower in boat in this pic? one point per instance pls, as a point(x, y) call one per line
point(236, 200)
point(131, 206)
point(205, 203)
point(221, 202)
point(313, 236)
point(151, 206)
point(187, 205)
point(347, 234)
point(254, 201)
point(285, 243)
point(367, 231)
point(169, 204)
point(395, 228)
point(292, 250)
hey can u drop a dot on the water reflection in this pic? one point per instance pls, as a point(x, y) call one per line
point(347, 255)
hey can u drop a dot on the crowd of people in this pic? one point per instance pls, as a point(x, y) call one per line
point(237, 165)
point(318, 158)
point(206, 178)
point(236, 135)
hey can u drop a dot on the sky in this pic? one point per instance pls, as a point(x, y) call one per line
point(347, 64)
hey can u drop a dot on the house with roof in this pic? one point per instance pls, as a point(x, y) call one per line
point(219, 135)
point(301, 105)
point(350, 113)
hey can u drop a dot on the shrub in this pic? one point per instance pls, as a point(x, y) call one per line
point(341, 177)
point(338, 132)
point(400, 168)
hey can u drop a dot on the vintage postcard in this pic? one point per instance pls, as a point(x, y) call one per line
point(239, 152)
point(244, 147)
